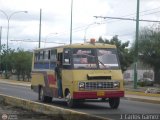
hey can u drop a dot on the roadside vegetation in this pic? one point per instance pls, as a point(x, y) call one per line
point(149, 49)
point(15, 63)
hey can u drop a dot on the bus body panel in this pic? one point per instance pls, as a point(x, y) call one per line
point(46, 80)
point(98, 83)
point(71, 79)
point(67, 81)
point(37, 79)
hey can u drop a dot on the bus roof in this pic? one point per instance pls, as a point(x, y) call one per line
point(81, 45)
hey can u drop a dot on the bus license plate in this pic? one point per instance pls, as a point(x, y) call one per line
point(100, 93)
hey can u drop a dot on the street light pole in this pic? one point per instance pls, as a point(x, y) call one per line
point(8, 21)
point(71, 22)
point(40, 19)
point(0, 44)
point(136, 46)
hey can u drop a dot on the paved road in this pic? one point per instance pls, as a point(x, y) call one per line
point(95, 108)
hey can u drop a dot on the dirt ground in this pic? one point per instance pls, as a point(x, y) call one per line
point(8, 112)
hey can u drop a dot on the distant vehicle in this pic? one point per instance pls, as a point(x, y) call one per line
point(153, 90)
point(146, 81)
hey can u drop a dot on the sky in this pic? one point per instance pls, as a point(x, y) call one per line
point(56, 19)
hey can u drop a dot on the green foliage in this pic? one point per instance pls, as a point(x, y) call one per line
point(141, 84)
point(125, 56)
point(16, 62)
point(149, 48)
point(22, 63)
point(144, 83)
point(150, 40)
point(6, 61)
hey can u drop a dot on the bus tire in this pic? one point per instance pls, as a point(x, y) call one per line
point(69, 100)
point(41, 95)
point(114, 102)
point(49, 99)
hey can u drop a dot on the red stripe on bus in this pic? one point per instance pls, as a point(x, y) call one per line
point(51, 79)
point(93, 95)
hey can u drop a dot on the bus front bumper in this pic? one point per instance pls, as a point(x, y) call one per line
point(98, 94)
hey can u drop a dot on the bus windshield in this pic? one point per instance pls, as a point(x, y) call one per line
point(107, 58)
point(89, 58)
point(84, 58)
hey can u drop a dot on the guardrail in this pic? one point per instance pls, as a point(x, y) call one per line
point(64, 114)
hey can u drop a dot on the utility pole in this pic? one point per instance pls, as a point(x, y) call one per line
point(0, 44)
point(40, 28)
point(71, 22)
point(0, 37)
point(136, 46)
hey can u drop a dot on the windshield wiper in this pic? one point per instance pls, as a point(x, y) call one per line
point(102, 63)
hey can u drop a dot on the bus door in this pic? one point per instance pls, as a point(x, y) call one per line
point(58, 72)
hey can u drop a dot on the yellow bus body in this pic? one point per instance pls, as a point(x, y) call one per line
point(99, 82)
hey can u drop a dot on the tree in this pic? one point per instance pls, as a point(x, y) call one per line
point(6, 60)
point(125, 56)
point(23, 61)
point(149, 49)
point(17, 62)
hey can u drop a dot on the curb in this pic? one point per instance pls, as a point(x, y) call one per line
point(56, 112)
point(142, 94)
point(142, 100)
point(17, 83)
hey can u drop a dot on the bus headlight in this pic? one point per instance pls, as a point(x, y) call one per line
point(116, 84)
point(81, 84)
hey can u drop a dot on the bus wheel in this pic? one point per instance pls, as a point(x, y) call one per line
point(114, 102)
point(41, 95)
point(69, 100)
point(48, 99)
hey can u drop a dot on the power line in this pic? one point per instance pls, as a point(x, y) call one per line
point(36, 41)
point(151, 13)
point(141, 12)
point(135, 13)
point(149, 10)
point(81, 28)
point(121, 18)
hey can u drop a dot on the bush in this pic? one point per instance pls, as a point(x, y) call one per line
point(144, 83)
point(141, 84)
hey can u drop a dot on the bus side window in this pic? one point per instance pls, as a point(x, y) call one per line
point(59, 58)
point(36, 60)
point(49, 54)
point(41, 55)
point(67, 59)
point(53, 58)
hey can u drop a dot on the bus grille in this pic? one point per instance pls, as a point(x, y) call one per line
point(98, 85)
